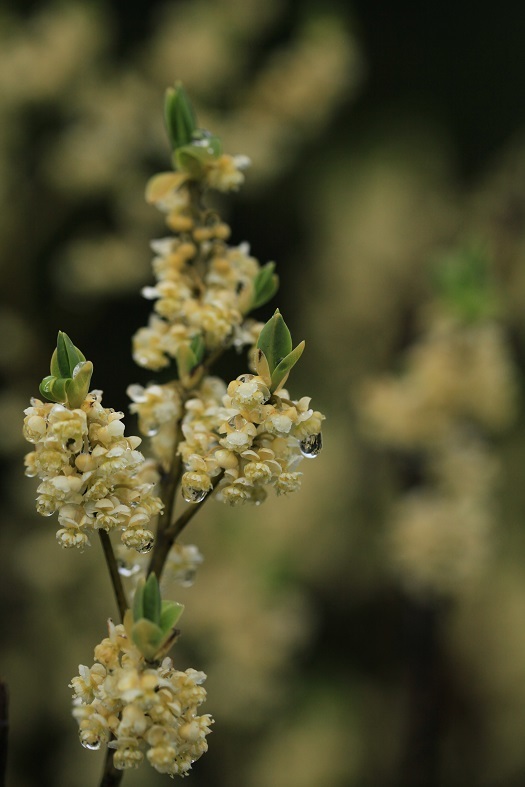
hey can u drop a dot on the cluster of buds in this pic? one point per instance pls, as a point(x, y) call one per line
point(133, 700)
point(204, 287)
point(252, 436)
point(92, 475)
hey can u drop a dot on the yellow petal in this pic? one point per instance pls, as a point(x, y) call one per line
point(160, 185)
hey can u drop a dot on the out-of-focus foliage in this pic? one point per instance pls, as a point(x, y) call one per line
point(324, 620)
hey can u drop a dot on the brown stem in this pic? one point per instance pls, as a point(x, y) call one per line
point(4, 731)
point(116, 581)
point(111, 776)
point(167, 537)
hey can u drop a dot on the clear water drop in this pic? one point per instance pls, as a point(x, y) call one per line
point(152, 430)
point(91, 745)
point(311, 446)
point(145, 548)
point(192, 495)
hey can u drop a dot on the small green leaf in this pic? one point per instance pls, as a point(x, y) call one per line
point(170, 614)
point(68, 356)
point(148, 638)
point(275, 341)
point(151, 599)
point(198, 347)
point(54, 367)
point(282, 370)
point(179, 116)
point(265, 285)
point(46, 386)
point(78, 387)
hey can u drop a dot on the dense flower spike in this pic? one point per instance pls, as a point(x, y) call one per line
point(142, 710)
point(92, 475)
point(205, 288)
point(253, 438)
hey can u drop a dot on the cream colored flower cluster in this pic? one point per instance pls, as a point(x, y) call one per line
point(181, 564)
point(458, 387)
point(92, 475)
point(454, 372)
point(254, 438)
point(141, 710)
point(159, 409)
point(204, 287)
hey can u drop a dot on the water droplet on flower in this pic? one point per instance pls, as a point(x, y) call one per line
point(192, 495)
point(145, 548)
point(188, 578)
point(311, 446)
point(92, 746)
point(152, 430)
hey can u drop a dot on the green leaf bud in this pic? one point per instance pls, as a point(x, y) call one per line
point(198, 347)
point(282, 370)
point(275, 356)
point(170, 614)
point(151, 622)
point(151, 603)
point(275, 340)
point(70, 375)
point(148, 638)
point(78, 387)
point(265, 285)
point(179, 116)
point(67, 356)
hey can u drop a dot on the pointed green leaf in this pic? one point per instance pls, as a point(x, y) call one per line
point(79, 386)
point(198, 347)
point(282, 370)
point(46, 386)
point(68, 356)
point(171, 612)
point(60, 388)
point(54, 367)
point(201, 151)
point(148, 637)
point(179, 116)
point(138, 604)
point(265, 285)
point(275, 340)
point(151, 599)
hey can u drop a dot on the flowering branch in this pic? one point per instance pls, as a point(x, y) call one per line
point(233, 441)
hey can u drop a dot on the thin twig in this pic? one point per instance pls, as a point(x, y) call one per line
point(116, 581)
point(4, 731)
point(111, 776)
point(166, 539)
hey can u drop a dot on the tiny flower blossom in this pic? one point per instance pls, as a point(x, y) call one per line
point(92, 475)
point(204, 288)
point(253, 439)
point(143, 711)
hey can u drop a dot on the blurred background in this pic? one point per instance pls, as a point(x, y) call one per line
point(369, 630)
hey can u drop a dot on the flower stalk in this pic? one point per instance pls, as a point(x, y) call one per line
point(234, 441)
